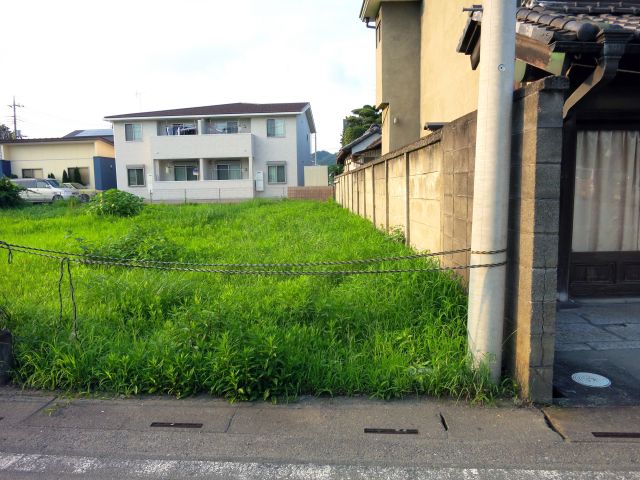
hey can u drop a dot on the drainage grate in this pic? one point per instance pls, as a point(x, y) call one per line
point(176, 425)
point(393, 431)
point(616, 434)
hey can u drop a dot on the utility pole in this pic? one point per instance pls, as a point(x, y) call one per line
point(15, 118)
point(491, 184)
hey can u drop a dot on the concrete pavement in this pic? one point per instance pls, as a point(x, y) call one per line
point(46, 436)
point(602, 338)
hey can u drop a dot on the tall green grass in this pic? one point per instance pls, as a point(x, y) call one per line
point(239, 337)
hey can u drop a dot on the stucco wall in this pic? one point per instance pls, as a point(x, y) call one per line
point(103, 149)
point(316, 176)
point(52, 158)
point(448, 87)
point(398, 72)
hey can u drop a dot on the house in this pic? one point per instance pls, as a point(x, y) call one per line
point(217, 152)
point(91, 152)
point(365, 148)
point(573, 226)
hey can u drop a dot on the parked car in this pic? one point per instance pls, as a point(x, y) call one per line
point(84, 193)
point(43, 190)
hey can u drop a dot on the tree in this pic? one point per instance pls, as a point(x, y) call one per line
point(51, 175)
point(76, 178)
point(65, 176)
point(358, 123)
point(6, 133)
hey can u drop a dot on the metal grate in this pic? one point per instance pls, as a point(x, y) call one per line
point(616, 434)
point(393, 431)
point(176, 425)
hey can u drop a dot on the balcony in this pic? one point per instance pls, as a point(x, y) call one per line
point(202, 191)
point(177, 147)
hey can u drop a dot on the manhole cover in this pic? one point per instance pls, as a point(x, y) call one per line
point(591, 380)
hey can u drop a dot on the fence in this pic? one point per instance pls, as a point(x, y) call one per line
point(424, 190)
point(310, 193)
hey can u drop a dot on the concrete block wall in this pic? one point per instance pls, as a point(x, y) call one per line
point(458, 145)
point(426, 189)
point(534, 208)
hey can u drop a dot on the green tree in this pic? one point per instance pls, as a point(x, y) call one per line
point(358, 123)
point(65, 176)
point(75, 177)
point(5, 133)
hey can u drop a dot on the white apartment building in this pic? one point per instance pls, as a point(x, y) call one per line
point(217, 152)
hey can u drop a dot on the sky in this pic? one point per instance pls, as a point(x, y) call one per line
point(71, 63)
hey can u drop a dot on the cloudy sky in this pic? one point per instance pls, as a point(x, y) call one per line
point(70, 63)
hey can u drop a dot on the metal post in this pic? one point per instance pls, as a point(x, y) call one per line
point(491, 183)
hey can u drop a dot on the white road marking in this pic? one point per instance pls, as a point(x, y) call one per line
point(189, 469)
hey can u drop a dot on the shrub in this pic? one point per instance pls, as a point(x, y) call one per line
point(9, 193)
point(117, 203)
point(140, 243)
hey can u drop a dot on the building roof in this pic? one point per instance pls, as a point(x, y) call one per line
point(370, 8)
point(563, 26)
point(65, 139)
point(215, 110)
point(96, 132)
point(363, 142)
point(578, 21)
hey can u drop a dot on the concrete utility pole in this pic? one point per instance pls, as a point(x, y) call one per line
point(15, 118)
point(491, 183)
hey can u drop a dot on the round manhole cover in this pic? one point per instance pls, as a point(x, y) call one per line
point(591, 380)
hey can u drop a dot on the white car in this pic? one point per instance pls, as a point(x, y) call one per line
point(84, 193)
point(43, 190)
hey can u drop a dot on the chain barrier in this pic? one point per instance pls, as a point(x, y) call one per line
point(136, 263)
point(66, 258)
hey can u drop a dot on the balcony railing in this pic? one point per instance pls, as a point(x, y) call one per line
point(176, 147)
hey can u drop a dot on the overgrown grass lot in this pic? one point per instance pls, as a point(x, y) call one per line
point(240, 337)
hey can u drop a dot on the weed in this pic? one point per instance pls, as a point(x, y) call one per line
point(242, 338)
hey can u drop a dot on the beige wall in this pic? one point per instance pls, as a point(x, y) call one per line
point(316, 176)
point(418, 71)
point(398, 72)
point(49, 151)
point(103, 149)
point(449, 88)
point(56, 157)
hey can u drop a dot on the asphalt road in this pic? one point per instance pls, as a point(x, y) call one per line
point(47, 437)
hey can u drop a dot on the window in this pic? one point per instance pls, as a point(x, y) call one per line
point(276, 174)
point(132, 132)
point(224, 126)
point(135, 176)
point(185, 173)
point(177, 128)
point(228, 172)
point(275, 127)
point(32, 173)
